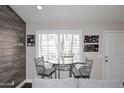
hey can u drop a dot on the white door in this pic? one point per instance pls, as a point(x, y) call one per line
point(114, 55)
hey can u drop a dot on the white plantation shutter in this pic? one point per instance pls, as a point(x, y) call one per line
point(54, 46)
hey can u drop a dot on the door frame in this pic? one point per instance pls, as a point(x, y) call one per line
point(104, 48)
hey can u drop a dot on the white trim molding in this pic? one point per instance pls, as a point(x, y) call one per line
point(29, 80)
point(25, 81)
point(21, 84)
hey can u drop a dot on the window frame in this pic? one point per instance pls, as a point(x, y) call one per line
point(61, 32)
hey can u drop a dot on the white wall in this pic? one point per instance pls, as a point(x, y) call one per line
point(97, 70)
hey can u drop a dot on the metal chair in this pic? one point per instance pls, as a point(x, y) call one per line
point(42, 70)
point(84, 70)
point(75, 69)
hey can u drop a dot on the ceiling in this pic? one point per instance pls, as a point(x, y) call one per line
point(70, 14)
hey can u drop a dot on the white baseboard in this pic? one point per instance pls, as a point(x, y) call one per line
point(29, 80)
point(21, 84)
point(25, 81)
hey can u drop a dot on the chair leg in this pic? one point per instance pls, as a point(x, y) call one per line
point(55, 74)
point(42, 76)
point(50, 77)
point(84, 77)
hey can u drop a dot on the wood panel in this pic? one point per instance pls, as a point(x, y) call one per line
point(12, 46)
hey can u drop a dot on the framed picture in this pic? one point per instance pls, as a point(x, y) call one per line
point(91, 48)
point(30, 40)
point(91, 39)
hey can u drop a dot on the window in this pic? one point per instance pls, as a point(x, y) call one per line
point(59, 47)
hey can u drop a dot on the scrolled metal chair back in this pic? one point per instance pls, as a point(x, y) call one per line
point(39, 63)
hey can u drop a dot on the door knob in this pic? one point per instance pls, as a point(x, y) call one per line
point(106, 60)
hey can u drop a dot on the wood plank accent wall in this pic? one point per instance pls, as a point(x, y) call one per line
point(12, 46)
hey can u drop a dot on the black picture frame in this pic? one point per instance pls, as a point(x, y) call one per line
point(30, 40)
point(91, 39)
point(91, 47)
